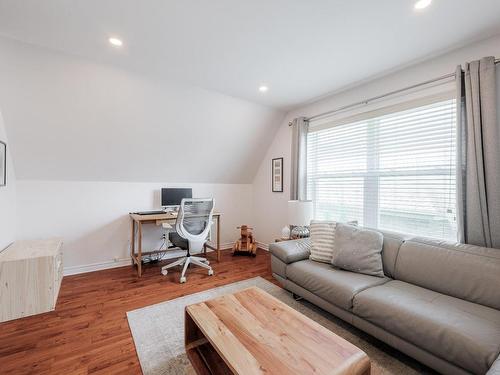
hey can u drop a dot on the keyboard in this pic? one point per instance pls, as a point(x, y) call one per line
point(150, 213)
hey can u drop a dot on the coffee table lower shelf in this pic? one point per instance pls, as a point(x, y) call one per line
point(203, 356)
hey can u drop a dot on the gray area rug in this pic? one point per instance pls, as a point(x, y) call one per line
point(158, 333)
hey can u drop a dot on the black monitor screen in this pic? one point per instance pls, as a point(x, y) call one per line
point(173, 196)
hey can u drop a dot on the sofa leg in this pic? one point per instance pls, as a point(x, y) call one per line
point(296, 297)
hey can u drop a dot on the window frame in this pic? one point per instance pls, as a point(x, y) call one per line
point(371, 179)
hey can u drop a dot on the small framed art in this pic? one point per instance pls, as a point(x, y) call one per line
point(3, 163)
point(277, 175)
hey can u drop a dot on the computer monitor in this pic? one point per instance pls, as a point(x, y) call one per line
point(173, 196)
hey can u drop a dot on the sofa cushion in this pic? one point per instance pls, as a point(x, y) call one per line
point(463, 271)
point(331, 284)
point(461, 332)
point(358, 250)
point(322, 240)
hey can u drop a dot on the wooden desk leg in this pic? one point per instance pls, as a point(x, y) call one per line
point(218, 238)
point(139, 255)
point(132, 242)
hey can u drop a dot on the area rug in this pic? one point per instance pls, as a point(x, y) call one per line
point(158, 333)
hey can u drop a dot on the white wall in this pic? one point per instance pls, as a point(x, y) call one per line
point(92, 217)
point(270, 208)
point(72, 119)
point(75, 125)
point(7, 197)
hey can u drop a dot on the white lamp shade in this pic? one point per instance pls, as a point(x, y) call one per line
point(300, 213)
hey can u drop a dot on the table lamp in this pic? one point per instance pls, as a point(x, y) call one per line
point(300, 214)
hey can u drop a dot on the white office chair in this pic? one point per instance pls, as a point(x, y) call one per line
point(192, 229)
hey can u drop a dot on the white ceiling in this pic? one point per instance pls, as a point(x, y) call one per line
point(301, 49)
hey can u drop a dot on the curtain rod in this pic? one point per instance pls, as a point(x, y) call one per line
point(366, 101)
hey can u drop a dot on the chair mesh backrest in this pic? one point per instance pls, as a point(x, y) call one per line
point(195, 215)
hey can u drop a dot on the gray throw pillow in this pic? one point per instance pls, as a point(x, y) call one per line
point(358, 250)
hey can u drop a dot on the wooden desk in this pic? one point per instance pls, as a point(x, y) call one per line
point(139, 220)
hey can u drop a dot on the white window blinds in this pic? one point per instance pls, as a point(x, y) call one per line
point(393, 172)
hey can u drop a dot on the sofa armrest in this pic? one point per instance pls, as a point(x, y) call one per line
point(495, 368)
point(291, 251)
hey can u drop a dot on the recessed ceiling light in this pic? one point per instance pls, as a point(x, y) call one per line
point(263, 88)
point(422, 4)
point(116, 42)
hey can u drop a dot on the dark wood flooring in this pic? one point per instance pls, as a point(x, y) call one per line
point(88, 333)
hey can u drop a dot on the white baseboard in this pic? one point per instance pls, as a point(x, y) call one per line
point(263, 246)
point(74, 270)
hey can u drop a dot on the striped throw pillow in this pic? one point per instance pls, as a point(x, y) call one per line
point(322, 240)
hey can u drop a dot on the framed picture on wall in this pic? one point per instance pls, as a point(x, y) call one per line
point(3, 164)
point(277, 175)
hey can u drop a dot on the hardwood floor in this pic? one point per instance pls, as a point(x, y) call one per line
point(88, 333)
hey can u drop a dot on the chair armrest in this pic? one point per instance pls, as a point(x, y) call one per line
point(495, 368)
point(291, 251)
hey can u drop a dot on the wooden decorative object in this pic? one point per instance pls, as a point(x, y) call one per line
point(246, 243)
point(252, 332)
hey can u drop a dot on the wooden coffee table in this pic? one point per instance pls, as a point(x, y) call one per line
point(251, 332)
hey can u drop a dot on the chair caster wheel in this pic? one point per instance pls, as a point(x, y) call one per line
point(182, 280)
point(210, 272)
point(164, 272)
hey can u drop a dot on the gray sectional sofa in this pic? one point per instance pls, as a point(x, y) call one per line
point(439, 302)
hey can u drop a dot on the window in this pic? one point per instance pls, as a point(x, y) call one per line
point(391, 171)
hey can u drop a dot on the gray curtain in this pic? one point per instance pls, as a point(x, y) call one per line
point(300, 127)
point(478, 153)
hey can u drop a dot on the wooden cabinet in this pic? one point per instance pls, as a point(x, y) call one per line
point(30, 278)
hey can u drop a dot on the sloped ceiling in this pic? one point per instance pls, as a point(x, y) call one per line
point(301, 49)
point(71, 119)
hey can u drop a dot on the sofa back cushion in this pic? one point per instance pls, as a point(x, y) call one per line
point(390, 250)
point(463, 271)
